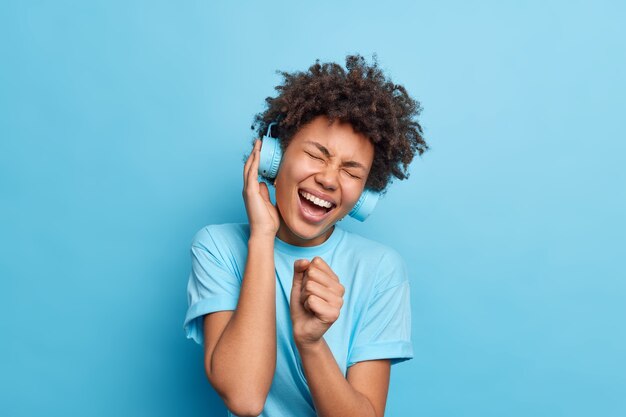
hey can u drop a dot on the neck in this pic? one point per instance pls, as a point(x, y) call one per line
point(286, 235)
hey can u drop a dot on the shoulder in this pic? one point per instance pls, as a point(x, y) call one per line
point(217, 236)
point(371, 255)
point(219, 232)
point(364, 248)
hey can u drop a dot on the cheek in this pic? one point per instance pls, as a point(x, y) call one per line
point(351, 198)
point(351, 190)
point(295, 172)
point(286, 182)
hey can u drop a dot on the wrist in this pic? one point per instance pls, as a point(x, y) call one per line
point(264, 238)
point(307, 347)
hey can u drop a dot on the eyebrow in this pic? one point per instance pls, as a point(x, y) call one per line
point(326, 152)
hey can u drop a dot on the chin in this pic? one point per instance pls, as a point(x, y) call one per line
point(300, 232)
point(309, 233)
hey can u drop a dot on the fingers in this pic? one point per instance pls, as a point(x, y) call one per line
point(312, 288)
point(321, 278)
point(253, 169)
point(249, 169)
point(246, 167)
point(300, 266)
point(320, 283)
point(322, 310)
point(321, 273)
point(317, 289)
point(320, 264)
point(253, 172)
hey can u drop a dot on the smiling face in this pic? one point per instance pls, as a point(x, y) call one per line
point(321, 177)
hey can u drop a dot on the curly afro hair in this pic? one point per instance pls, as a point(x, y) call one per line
point(363, 97)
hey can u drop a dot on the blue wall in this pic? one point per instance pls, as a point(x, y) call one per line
point(122, 131)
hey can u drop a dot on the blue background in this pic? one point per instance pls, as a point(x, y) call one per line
point(123, 126)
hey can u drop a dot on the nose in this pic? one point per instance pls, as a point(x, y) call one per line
point(327, 178)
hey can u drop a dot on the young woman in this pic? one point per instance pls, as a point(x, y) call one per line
point(297, 316)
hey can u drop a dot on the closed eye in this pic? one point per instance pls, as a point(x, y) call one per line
point(352, 175)
point(313, 156)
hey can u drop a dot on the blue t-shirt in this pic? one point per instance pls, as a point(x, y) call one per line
point(374, 321)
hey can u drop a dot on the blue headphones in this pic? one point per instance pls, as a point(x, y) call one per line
point(271, 154)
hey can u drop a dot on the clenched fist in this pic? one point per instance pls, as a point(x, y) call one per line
point(316, 300)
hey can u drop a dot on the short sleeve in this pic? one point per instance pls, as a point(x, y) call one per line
point(213, 284)
point(385, 332)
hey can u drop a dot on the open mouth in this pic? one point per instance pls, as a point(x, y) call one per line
point(314, 206)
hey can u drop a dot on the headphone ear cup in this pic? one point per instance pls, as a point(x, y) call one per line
point(365, 205)
point(271, 154)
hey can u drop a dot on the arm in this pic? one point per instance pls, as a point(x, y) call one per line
point(316, 300)
point(240, 362)
point(240, 346)
point(362, 394)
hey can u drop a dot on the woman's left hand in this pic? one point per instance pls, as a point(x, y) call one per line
point(316, 300)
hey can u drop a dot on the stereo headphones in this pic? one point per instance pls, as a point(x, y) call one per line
point(271, 154)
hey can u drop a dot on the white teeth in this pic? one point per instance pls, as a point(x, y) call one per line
point(315, 200)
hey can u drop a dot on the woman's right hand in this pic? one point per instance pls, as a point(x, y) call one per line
point(262, 214)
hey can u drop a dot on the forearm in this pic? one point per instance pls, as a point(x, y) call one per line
point(244, 359)
point(332, 393)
